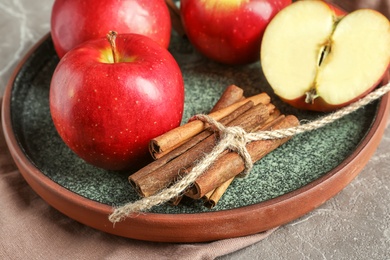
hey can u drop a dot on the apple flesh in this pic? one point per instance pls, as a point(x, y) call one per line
point(228, 31)
point(316, 60)
point(74, 21)
point(108, 103)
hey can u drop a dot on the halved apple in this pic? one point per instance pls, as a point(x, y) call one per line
point(316, 60)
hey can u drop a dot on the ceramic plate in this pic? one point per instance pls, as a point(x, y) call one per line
point(286, 184)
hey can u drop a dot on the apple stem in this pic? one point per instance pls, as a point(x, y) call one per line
point(111, 37)
point(310, 96)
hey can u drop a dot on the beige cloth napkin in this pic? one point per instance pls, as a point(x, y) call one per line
point(32, 229)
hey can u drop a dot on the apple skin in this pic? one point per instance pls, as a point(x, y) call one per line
point(320, 105)
point(108, 112)
point(338, 11)
point(230, 35)
point(74, 21)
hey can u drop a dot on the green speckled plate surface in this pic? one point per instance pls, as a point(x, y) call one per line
point(303, 162)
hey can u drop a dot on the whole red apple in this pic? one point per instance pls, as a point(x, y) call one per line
point(108, 100)
point(315, 58)
point(75, 21)
point(228, 31)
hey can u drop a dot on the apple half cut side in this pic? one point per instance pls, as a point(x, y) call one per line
point(316, 60)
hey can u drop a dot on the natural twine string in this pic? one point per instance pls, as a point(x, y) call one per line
point(235, 138)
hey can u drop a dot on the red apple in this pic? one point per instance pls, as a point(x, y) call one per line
point(316, 60)
point(76, 21)
point(107, 102)
point(228, 31)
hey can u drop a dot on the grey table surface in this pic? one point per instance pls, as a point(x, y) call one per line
point(355, 224)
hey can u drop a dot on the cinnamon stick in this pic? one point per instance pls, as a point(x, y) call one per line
point(202, 135)
point(176, 200)
point(274, 119)
point(186, 131)
point(226, 99)
point(151, 183)
point(212, 197)
point(232, 94)
point(187, 145)
point(231, 164)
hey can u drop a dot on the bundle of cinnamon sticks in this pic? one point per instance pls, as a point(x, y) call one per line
point(177, 151)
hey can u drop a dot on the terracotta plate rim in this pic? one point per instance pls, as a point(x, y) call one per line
point(196, 227)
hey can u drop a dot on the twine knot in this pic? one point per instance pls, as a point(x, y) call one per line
point(234, 138)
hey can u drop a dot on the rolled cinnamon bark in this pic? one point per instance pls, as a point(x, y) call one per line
point(187, 145)
point(151, 183)
point(186, 131)
point(231, 164)
point(231, 95)
point(212, 197)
